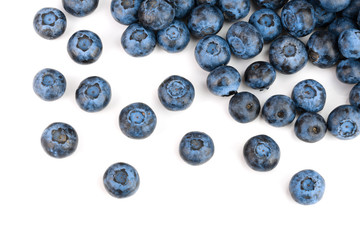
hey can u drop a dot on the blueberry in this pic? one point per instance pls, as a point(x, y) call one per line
point(80, 8)
point(176, 93)
point(261, 153)
point(183, 7)
point(310, 127)
point(125, 11)
point(156, 14)
point(211, 52)
point(211, 2)
point(93, 94)
point(270, 4)
point(223, 81)
point(354, 96)
point(138, 41)
point(287, 54)
point(49, 84)
point(309, 96)
point(268, 23)
point(174, 38)
point(234, 9)
point(344, 122)
point(244, 39)
point(341, 24)
point(279, 110)
point(59, 140)
point(244, 107)
point(205, 20)
point(348, 71)
point(196, 148)
point(137, 120)
point(259, 75)
point(349, 43)
point(358, 20)
point(121, 180)
point(333, 6)
point(322, 17)
point(49, 23)
point(352, 10)
point(307, 187)
point(84, 47)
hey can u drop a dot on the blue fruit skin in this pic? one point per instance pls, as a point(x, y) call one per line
point(244, 107)
point(176, 93)
point(322, 17)
point(121, 180)
point(354, 96)
point(211, 52)
point(287, 54)
point(196, 148)
point(310, 127)
point(309, 96)
point(50, 23)
point(261, 153)
point(307, 187)
point(80, 8)
point(273, 4)
point(174, 38)
point(358, 20)
point(352, 10)
point(349, 43)
point(298, 18)
point(260, 75)
point(156, 14)
point(93, 94)
point(49, 84)
point(138, 41)
point(348, 71)
point(223, 81)
point(333, 6)
point(59, 140)
point(137, 120)
point(205, 20)
point(244, 39)
point(268, 23)
point(344, 122)
point(341, 24)
point(234, 9)
point(211, 2)
point(183, 7)
point(279, 111)
point(322, 49)
point(84, 47)
point(125, 11)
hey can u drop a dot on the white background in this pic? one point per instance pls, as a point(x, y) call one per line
point(47, 198)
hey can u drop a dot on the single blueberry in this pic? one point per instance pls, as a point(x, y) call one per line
point(156, 14)
point(268, 23)
point(279, 110)
point(270, 4)
point(121, 180)
point(352, 10)
point(261, 153)
point(49, 84)
point(174, 38)
point(341, 24)
point(176, 93)
point(196, 148)
point(309, 96)
point(344, 122)
point(59, 140)
point(348, 71)
point(244, 107)
point(349, 43)
point(50, 23)
point(137, 120)
point(125, 11)
point(183, 7)
point(211, 52)
point(310, 127)
point(307, 187)
point(211, 2)
point(322, 17)
point(80, 8)
point(223, 81)
point(260, 75)
point(234, 9)
point(287, 54)
point(333, 6)
point(354, 96)
point(138, 41)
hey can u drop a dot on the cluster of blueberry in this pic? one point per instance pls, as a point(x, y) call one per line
point(170, 24)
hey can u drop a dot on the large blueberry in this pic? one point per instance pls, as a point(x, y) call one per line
point(234, 9)
point(349, 43)
point(310, 127)
point(344, 122)
point(279, 110)
point(223, 81)
point(352, 10)
point(309, 96)
point(270, 4)
point(348, 71)
point(49, 23)
point(322, 17)
point(80, 8)
point(125, 11)
point(49, 84)
point(354, 96)
point(175, 37)
point(333, 6)
point(268, 23)
point(260, 75)
point(59, 140)
point(183, 7)
point(341, 24)
point(138, 41)
point(156, 14)
point(244, 107)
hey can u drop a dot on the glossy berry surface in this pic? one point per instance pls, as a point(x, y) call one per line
point(223, 81)
point(349, 43)
point(84, 47)
point(309, 96)
point(344, 122)
point(93, 94)
point(310, 127)
point(183, 7)
point(125, 11)
point(121, 180)
point(156, 14)
point(234, 9)
point(196, 148)
point(80, 8)
point(260, 75)
point(49, 84)
point(261, 153)
point(348, 71)
point(244, 107)
point(211, 52)
point(138, 41)
point(176, 93)
point(268, 23)
point(333, 6)
point(137, 120)
point(59, 140)
point(354, 96)
point(341, 24)
point(174, 38)
point(279, 111)
point(273, 4)
point(50, 23)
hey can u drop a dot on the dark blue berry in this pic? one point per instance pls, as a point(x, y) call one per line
point(244, 107)
point(156, 14)
point(49, 84)
point(354, 96)
point(183, 7)
point(49, 23)
point(322, 17)
point(310, 127)
point(279, 110)
point(174, 38)
point(270, 4)
point(323, 49)
point(138, 41)
point(268, 23)
point(125, 11)
point(309, 96)
point(333, 6)
point(211, 2)
point(234, 9)
point(349, 43)
point(223, 81)
point(341, 24)
point(344, 122)
point(348, 71)
point(260, 75)
point(352, 10)
point(80, 8)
